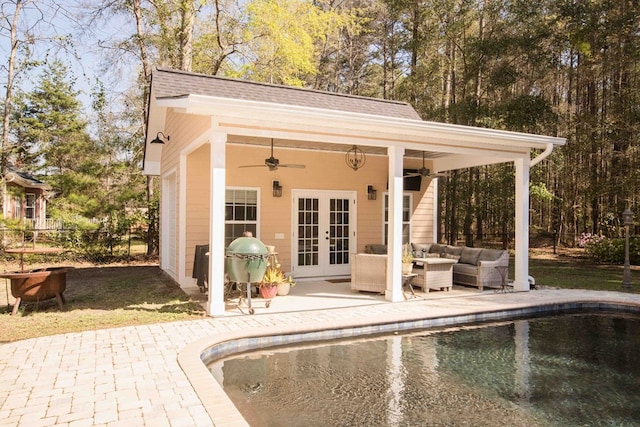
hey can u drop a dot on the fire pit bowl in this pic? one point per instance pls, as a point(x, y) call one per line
point(38, 285)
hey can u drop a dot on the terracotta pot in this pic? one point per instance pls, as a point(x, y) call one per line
point(268, 291)
point(284, 288)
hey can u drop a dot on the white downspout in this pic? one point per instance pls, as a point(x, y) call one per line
point(542, 155)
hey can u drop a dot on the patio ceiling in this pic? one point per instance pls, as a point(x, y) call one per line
point(322, 146)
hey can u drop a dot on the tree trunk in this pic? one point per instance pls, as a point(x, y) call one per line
point(6, 113)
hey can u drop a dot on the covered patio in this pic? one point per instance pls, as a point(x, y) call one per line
point(329, 295)
point(212, 127)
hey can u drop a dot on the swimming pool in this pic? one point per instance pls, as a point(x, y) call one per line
point(559, 370)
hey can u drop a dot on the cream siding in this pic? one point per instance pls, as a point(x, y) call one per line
point(324, 171)
point(182, 130)
point(198, 201)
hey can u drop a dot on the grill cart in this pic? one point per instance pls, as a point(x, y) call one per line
point(246, 263)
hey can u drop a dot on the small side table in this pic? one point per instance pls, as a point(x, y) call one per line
point(504, 272)
point(406, 283)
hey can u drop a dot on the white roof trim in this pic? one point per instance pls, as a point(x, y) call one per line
point(238, 114)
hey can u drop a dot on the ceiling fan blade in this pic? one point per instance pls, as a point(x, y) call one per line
point(293, 166)
point(410, 175)
point(252, 166)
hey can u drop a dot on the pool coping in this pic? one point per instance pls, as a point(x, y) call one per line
point(352, 322)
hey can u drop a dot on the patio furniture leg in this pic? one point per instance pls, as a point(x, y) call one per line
point(16, 305)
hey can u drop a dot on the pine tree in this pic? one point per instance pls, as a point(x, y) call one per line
point(52, 141)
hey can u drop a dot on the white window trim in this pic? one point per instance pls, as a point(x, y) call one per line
point(26, 205)
point(258, 205)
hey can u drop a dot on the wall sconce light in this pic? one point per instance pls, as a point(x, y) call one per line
point(277, 189)
point(159, 140)
point(355, 158)
point(372, 193)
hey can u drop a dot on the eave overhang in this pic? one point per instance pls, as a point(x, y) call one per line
point(273, 120)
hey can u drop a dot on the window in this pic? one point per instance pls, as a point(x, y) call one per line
point(17, 207)
point(406, 218)
point(30, 206)
point(241, 213)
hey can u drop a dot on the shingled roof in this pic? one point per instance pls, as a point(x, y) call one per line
point(24, 179)
point(169, 83)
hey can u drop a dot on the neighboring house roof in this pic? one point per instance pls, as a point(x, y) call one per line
point(175, 84)
point(23, 179)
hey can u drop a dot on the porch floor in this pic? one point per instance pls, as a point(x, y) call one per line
point(324, 295)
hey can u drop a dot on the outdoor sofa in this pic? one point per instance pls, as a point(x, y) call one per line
point(474, 266)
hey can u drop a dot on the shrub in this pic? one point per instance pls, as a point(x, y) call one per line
point(611, 251)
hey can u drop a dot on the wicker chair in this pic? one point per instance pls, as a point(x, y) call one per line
point(369, 272)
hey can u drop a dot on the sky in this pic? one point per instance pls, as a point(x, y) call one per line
point(59, 29)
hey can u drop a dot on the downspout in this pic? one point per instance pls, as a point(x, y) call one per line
point(542, 155)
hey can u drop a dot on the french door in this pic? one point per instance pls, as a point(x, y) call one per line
point(324, 225)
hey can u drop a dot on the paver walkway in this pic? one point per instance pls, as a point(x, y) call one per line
point(131, 377)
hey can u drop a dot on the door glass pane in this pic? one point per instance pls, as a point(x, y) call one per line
point(339, 232)
point(308, 232)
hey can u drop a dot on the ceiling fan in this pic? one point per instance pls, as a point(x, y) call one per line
point(273, 164)
point(424, 171)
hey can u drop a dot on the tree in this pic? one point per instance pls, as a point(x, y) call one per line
point(54, 142)
point(284, 40)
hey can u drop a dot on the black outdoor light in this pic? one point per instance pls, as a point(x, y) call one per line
point(372, 193)
point(158, 140)
point(355, 158)
point(627, 220)
point(277, 189)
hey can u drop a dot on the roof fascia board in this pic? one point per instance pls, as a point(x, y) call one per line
point(237, 111)
point(460, 161)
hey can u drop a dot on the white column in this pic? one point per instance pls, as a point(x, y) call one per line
point(521, 282)
point(394, 239)
point(218, 157)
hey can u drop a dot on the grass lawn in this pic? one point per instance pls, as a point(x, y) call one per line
point(124, 295)
point(98, 298)
point(569, 270)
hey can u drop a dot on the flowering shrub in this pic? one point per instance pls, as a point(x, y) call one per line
point(586, 239)
point(611, 251)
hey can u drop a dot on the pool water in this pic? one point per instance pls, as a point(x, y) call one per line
point(563, 370)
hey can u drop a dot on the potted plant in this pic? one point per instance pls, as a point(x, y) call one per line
point(269, 285)
point(407, 260)
point(285, 287)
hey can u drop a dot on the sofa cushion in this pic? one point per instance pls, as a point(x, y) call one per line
point(437, 249)
point(468, 269)
point(419, 250)
point(375, 249)
point(454, 250)
point(470, 255)
point(490, 254)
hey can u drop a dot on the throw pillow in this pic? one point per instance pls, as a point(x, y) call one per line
point(451, 256)
point(470, 255)
point(436, 249)
point(454, 250)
